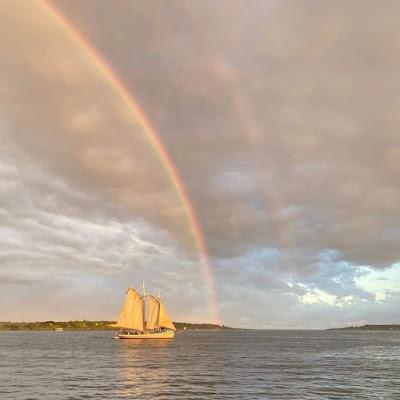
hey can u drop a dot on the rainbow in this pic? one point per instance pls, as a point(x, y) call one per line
point(153, 137)
point(250, 129)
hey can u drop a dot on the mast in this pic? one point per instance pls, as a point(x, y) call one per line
point(144, 305)
point(158, 313)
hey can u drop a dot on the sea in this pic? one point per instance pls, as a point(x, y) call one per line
point(228, 364)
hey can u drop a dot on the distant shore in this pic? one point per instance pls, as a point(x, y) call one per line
point(90, 326)
point(369, 327)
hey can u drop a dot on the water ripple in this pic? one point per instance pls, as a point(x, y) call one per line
point(200, 365)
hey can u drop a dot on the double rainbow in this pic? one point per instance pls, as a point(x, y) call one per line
point(154, 139)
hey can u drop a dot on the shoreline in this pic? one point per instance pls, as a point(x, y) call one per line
point(368, 327)
point(83, 325)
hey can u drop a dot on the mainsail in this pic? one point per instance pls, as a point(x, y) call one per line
point(132, 316)
point(164, 321)
point(154, 308)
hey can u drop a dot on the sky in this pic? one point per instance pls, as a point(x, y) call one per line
point(243, 157)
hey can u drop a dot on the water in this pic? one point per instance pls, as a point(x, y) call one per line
point(201, 364)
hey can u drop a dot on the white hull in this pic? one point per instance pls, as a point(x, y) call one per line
point(147, 335)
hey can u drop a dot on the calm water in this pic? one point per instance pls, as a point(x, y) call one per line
point(196, 365)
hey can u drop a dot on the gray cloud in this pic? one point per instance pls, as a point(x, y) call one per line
point(320, 95)
point(281, 118)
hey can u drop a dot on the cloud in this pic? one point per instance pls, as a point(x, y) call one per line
point(285, 134)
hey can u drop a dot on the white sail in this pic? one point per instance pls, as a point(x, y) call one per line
point(164, 321)
point(131, 316)
point(154, 308)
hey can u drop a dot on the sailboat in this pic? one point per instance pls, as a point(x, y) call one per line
point(132, 319)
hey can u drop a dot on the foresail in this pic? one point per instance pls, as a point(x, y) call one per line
point(164, 319)
point(152, 320)
point(131, 316)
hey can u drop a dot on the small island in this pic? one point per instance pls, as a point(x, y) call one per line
point(90, 326)
point(368, 327)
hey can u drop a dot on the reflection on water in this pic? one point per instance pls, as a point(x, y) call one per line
point(136, 357)
point(218, 365)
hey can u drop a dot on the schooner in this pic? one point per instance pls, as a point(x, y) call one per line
point(132, 319)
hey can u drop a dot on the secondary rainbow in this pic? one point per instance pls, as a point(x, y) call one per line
point(154, 139)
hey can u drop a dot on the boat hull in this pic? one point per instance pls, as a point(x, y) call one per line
point(147, 335)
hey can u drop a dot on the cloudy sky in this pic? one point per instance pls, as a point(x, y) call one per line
point(282, 119)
